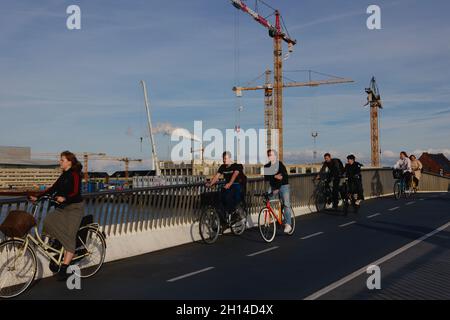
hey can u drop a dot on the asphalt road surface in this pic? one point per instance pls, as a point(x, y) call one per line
point(326, 258)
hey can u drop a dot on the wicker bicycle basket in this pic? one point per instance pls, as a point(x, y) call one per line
point(17, 224)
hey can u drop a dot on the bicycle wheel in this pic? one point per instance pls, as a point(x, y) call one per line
point(397, 190)
point(18, 267)
point(91, 254)
point(292, 222)
point(320, 202)
point(408, 192)
point(267, 225)
point(239, 226)
point(345, 206)
point(209, 225)
point(312, 203)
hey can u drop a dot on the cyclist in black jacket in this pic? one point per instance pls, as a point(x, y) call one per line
point(352, 171)
point(234, 189)
point(332, 169)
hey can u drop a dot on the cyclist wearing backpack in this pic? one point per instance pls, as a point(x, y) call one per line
point(352, 171)
point(234, 188)
point(332, 169)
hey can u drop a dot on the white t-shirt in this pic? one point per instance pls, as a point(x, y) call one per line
point(404, 164)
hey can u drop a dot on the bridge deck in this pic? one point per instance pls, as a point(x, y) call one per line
point(325, 249)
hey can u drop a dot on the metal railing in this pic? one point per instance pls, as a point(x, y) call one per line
point(138, 210)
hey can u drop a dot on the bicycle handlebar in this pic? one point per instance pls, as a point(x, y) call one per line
point(44, 198)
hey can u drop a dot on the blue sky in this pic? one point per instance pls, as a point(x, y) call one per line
point(79, 89)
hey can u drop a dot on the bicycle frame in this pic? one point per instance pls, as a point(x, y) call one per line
point(403, 184)
point(278, 216)
point(43, 247)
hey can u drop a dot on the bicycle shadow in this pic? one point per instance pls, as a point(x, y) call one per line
point(376, 187)
point(195, 231)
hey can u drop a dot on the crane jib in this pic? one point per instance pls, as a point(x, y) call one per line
point(272, 29)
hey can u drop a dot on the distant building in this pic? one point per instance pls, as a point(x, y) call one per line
point(435, 163)
point(98, 177)
point(209, 168)
point(19, 171)
point(118, 177)
point(189, 168)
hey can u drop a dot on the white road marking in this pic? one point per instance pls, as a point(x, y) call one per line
point(347, 224)
point(312, 235)
point(410, 203)
point(262, 251)
point(190, 274)
point(363, 270)
point(394, 208)
point(373, 215)
point(421, 199)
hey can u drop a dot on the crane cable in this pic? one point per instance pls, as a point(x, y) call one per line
point(236, 68)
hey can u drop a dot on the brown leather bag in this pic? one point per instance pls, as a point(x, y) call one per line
point(17, 224)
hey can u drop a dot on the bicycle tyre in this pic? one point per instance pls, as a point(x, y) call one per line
point(11, 291)
point(312, 203)
point(88, 269)
point(397, 190)
point(267, 225)
point(320, 202)
point(209, 225)
point(239, 227)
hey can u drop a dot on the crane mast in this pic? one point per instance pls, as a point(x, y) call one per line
point(374, 102)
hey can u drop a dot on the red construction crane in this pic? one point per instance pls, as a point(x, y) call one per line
point(278, 35)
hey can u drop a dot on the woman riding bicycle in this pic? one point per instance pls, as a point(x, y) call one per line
point(63, 223)
point(404, 164)
point(416, 167)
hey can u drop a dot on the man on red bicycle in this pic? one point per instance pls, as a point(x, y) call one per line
point(275, 172)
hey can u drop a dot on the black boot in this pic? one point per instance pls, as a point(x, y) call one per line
point(62, 273)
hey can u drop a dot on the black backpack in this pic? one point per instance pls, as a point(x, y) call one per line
point(340, 166)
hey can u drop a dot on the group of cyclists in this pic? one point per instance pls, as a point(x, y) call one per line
point(275, 173)
point(410, 169)
point(333, 171)
point(234, 189)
